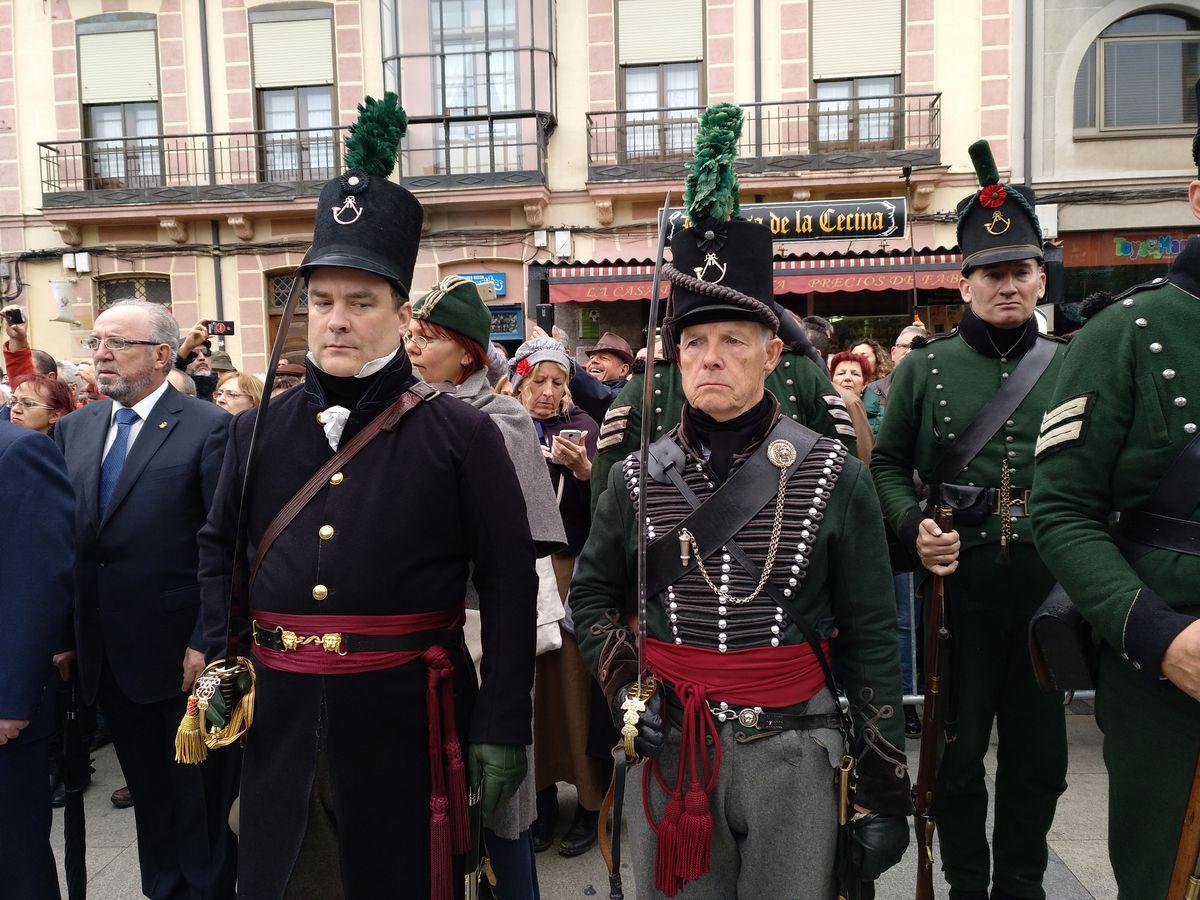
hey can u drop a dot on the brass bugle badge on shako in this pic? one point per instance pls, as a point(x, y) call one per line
point(219, 711)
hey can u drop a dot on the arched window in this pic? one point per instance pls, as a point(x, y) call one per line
point(155, 288)
point(1139, 75)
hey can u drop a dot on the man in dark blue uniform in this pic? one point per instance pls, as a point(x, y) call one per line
point(36, 574)
point(353, 782)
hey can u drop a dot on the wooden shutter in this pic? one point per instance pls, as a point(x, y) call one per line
point(658, 31)
point(118, 67)
point(292, 53)
point(855, 40)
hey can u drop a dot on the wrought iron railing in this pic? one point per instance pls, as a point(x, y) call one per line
point(438, 152)
point(779, 137)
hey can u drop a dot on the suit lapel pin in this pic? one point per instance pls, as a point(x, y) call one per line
point(162, 424)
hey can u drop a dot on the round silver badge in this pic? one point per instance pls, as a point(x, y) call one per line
point(781, 453)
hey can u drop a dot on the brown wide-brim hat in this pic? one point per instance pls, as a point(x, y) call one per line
point(286, 367)
point(613, 343)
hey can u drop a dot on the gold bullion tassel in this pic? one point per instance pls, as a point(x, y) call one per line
point(189, 742)
point(1005, 511)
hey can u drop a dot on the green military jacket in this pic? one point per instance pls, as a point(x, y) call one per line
point(846, 585)
point(936, 391)
point(1126, 404)
point(803, 391)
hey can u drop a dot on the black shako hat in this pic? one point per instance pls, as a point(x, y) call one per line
point(722, 267)
point(998, 223)
point(363, 220)
point(736, 255)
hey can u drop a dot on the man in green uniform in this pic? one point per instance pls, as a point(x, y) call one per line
point(1123, 411)
point(784, 548)
point(964, 412)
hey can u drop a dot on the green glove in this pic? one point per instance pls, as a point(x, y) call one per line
point(500, 767)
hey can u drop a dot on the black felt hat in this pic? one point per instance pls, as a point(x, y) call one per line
point(737, 254)
point(365, 221)
point(998, 223)
point(722, 267)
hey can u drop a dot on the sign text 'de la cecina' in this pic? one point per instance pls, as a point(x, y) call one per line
point(819, 220)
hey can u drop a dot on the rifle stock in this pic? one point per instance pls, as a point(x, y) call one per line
point(927, 765)
point(1185, 877)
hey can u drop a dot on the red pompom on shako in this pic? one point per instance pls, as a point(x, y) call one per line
point(993, 196)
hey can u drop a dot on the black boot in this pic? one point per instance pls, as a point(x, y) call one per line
point(546, 823)
point(912, 722)
point(968, 895)
point(581, 836)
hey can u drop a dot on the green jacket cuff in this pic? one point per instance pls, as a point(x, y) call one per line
point(1150, 627)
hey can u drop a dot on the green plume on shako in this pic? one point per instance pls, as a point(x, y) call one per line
point(374, 140)
point(711, 189)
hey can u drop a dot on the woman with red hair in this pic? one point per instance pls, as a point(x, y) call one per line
point(39, 401)
point(446, 343)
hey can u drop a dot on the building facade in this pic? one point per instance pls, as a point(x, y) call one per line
point(173, 150)
point(1114, 111)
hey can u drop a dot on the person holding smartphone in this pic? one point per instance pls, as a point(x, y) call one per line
point(572, 729)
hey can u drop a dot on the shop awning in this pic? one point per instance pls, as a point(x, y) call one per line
point(824, 275)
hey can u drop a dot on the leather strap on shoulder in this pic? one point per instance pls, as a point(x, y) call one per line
point(999, 409)
point(385, 421)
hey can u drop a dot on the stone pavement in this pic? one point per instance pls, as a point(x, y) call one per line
point(1078, 846)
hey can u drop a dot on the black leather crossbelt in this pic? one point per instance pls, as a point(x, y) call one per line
point(339, 642)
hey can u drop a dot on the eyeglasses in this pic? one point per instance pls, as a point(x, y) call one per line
point(115, 344)
point(203, 351)
point(231, 395)
point(900, 346)
point(420, 341)
point(26, 403)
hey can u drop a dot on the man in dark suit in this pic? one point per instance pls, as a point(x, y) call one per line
point(35, 571)
point(144, 465)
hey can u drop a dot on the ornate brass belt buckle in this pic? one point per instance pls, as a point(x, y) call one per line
point(332, 643)
point(289, 639)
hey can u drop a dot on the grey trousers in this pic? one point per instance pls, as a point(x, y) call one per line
point(774, 812)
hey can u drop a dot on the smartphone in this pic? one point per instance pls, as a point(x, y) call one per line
point(574, 435)
point(220, 327)
point(15, 317)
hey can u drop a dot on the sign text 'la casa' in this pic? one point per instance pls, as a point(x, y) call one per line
point(823, 220)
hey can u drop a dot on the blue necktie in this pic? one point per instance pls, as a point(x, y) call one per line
point(110, 469)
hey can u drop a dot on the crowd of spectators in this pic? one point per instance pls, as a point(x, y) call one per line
point(549, 409)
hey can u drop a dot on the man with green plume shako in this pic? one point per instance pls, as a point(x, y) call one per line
point(766, 563)
point(1120, 436)
point(799, 382)
point(964, 413)
point(367, 717)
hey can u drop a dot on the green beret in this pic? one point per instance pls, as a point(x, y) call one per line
point(455, 304)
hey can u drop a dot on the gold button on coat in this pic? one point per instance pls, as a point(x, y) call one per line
point(326, 532)
point(320, 592)
point(336, 478)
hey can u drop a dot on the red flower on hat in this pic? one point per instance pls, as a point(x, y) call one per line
point(523, 368)
point(993, 196)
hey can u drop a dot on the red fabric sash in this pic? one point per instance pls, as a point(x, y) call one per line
point(449, 829)
point(770, 677)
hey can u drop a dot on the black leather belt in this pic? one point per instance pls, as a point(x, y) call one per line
point(1163, 532)
point(768, 720)
point(342, 643)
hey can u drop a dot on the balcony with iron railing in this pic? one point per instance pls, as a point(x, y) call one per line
point(777, 138)
point(439, 152)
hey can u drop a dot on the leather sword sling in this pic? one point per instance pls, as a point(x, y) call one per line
point(385, 421)
point(1060, 638)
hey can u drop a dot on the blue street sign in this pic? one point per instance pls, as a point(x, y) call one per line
point(499, 279)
